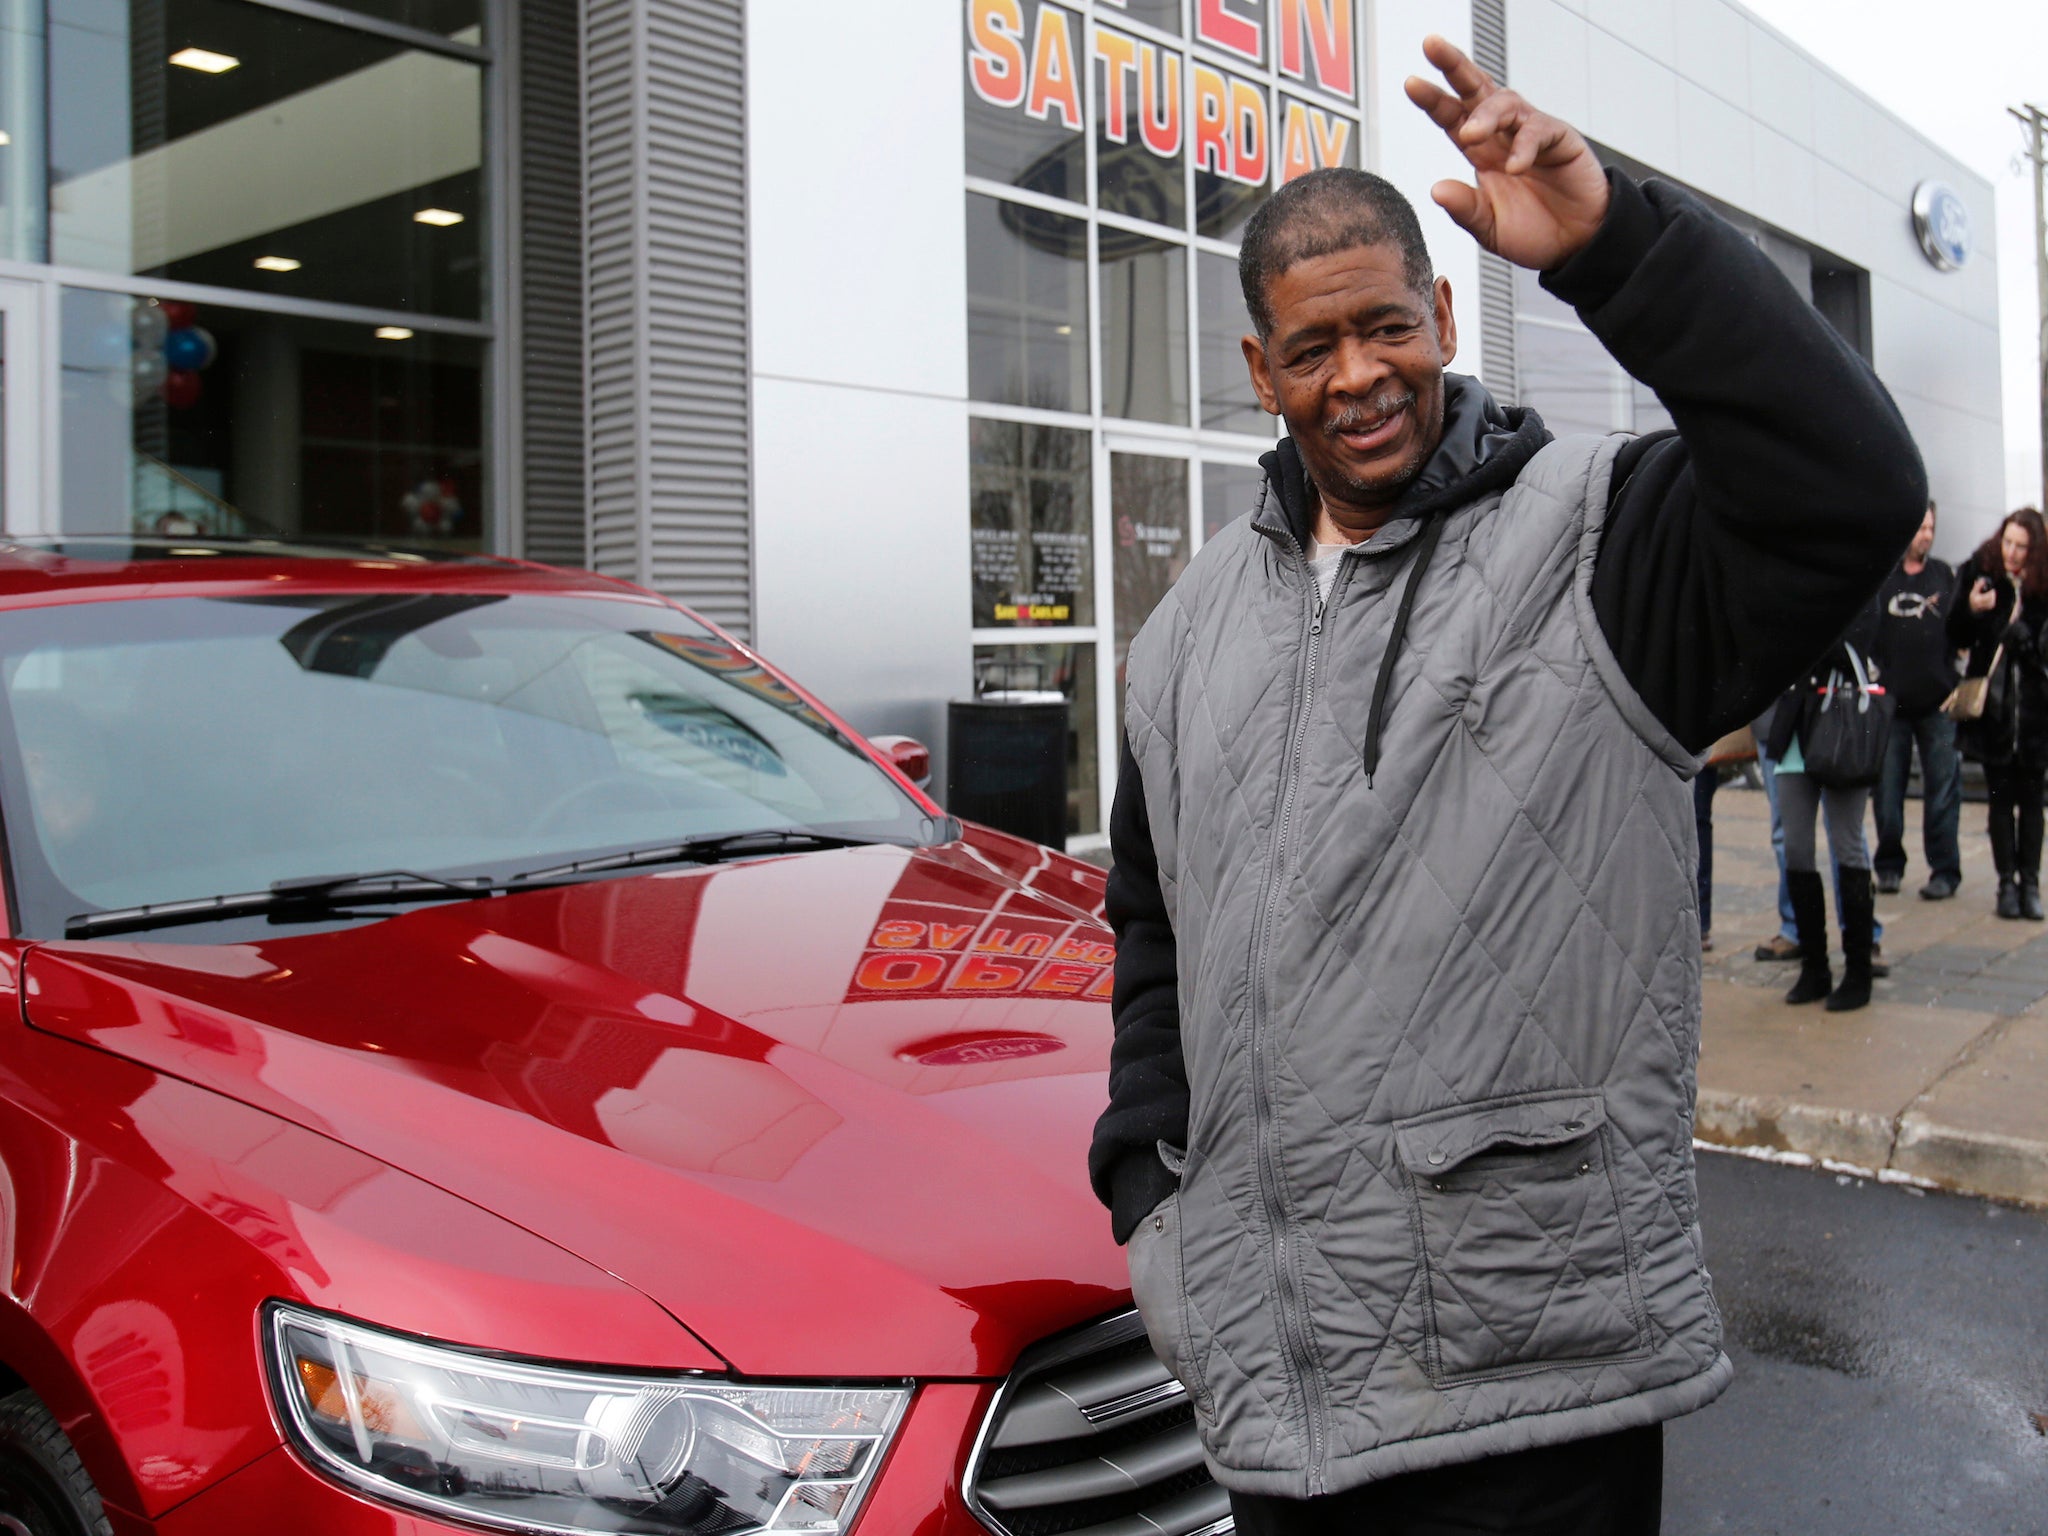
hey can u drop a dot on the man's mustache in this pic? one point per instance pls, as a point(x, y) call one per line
point(1368, 413)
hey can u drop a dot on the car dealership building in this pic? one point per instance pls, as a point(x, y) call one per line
point(901, 339)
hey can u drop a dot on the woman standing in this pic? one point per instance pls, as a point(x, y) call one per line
point(1999, 605)
point(1801, 799)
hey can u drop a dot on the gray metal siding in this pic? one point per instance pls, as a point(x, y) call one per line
point(666, 275)
point(550, 234)
point(1496, 277)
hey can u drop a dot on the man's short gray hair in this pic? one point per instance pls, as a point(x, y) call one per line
point(1318, 215)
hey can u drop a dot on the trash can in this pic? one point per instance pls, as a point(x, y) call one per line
point(1006, 762)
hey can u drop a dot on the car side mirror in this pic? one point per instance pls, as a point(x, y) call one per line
point(913, 759)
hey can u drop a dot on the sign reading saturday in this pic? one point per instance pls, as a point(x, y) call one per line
point(1026, 55)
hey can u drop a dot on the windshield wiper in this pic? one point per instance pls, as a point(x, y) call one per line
point(315, 896)
point(700, 850)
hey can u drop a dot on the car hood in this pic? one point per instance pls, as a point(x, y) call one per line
point(831, 1110)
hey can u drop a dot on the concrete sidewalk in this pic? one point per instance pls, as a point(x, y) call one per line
point(1943, 1079)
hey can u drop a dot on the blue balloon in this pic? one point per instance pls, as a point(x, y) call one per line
point(192, 348)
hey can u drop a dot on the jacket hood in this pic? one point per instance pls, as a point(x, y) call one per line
point(830, 1111)
point(1483, 449)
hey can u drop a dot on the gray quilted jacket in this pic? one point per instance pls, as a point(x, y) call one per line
point(1439, 1020)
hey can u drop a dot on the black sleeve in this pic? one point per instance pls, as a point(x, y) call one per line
point(1739, 547)
point(1148, 1079)
point(1962, 620)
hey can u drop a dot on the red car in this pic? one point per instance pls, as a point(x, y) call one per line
point(492, 1054)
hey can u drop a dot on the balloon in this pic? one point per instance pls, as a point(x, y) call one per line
point(190, 349)
point(179, 315)
point(150, 325)
point(181, 389)
point(150, 371)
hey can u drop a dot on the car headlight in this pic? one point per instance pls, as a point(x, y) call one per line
point(546, 1448)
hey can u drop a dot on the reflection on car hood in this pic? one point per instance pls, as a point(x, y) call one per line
point(830, 1110)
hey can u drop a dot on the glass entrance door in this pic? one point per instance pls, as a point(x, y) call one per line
point(26, 390)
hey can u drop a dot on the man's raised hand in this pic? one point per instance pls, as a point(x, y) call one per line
point(1541, 194)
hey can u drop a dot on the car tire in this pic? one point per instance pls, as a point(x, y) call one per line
point(44, 1489)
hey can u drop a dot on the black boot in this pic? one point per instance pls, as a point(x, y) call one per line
point(2030, 897)
point(2008, 896)
point(1810, 917)
point(1858, 918)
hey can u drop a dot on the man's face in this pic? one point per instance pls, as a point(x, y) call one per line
point(1923, 541)
point(1355, 364)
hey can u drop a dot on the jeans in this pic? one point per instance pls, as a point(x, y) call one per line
point(2015, 818)
point(1788, 928)
point(1941, 788)
point(1612, 1485)
point(1801, 798)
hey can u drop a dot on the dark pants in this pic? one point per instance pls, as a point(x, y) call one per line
point(1612, 1485)
point(1941, 790)
point(2015, 818)
point(1703, 789)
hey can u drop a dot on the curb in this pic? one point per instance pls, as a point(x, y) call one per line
point(1910, 1149)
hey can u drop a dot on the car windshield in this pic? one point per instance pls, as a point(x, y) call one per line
point(181, 748)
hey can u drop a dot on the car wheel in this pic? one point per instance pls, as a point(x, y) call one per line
point(44, 1490)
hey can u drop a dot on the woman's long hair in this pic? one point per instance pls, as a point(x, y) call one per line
point(1990, 559)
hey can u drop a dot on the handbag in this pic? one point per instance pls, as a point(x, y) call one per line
point(1843, 735)
point(1967, 699)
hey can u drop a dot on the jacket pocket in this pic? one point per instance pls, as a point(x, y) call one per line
point(1527, 1262)
point(1159, 1287)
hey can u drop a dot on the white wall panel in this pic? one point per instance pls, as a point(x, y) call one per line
point(1715, 146)
point(1780, 86)
point(1713, 49)
point(863, 550)
point(1547, 57)
point(1635, 101)
point(1784, 182)
point(1647, 25)
point(855, 161)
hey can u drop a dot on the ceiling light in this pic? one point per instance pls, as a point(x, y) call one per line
point(394, 333)
point(278, 264)
point(440, 218)
point(6, 138)
point(205, 60)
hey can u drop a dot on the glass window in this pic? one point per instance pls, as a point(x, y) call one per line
point(1024, 98)
point(1034, 531)
point(1138, 168)
point(235, 145)
point(1228, 401)
point(1144, 328)
point(1148, 499)
point(1229, 491)
point(1162, 14)
point(1314, 138)
point(1229, 128)
point(1027, 306)
point(1066, 669)
point(22, 196)
point(452, 734)
point(187, 418)
point(461, 20)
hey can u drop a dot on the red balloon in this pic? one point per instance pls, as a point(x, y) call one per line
point(178, 314)
point(181, 389)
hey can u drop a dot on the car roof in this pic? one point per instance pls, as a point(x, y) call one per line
point(60, 567)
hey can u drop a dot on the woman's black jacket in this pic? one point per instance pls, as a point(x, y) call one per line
point(1791, 711)
point(2014, 725)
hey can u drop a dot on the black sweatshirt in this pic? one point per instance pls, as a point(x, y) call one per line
point(1736, 550)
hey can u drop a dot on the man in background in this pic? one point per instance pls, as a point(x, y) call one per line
point(1919, 669)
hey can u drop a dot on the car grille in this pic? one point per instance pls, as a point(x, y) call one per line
point(1091, 1436)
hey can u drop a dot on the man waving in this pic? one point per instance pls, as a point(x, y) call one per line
point(1407, 979)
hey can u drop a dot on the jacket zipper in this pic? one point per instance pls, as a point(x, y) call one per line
point(1286, 1281)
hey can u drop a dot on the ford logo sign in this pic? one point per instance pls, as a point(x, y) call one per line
point(1943, 225)
point(979, 1050)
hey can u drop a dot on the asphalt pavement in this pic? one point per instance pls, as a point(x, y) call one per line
point(1891, 1354)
